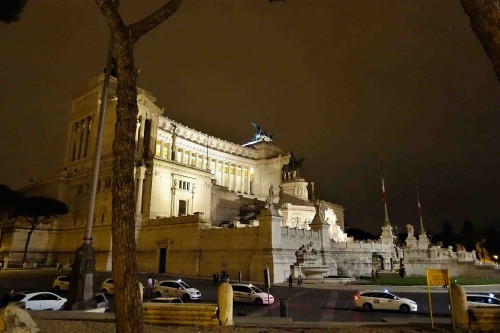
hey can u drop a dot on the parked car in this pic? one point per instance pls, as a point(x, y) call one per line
point(165, 300)
point(107, 287)
point(249, 293)
point(38, 300)
point(102, 304)
point(482, 300)
point(383, 300)
point(176, 288)
point(61, 283)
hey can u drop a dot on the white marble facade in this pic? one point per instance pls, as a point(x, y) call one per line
point(189, 187)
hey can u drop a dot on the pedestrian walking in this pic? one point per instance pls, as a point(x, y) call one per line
point(299, 281)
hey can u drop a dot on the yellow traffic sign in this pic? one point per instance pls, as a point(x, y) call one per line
point(437, 277)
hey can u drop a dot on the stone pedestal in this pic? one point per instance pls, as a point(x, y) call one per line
point(423, 242)
point(411, 242)
point(80, 293)
point(387, 237)
point(296, 188)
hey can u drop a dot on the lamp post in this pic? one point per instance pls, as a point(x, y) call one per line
point(82, 273)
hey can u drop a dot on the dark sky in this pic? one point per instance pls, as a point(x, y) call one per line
point(336, 82)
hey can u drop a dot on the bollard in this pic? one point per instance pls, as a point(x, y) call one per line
point(284, 307)
point(225, 303)
point(239, 277)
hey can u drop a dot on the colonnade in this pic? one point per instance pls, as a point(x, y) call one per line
point(79, 141)
point(237, 177)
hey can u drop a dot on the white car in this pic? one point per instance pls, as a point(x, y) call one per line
point(176, 288)
point(482, 300)
point(249, 293)
point(383, 300)
point(38, 300)
point(60, 283)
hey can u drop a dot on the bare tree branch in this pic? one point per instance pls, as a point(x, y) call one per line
point(485, 21)
point(143, 26)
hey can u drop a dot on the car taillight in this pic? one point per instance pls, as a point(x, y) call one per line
point(356, 297)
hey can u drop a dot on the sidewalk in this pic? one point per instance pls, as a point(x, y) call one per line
point(240, 321)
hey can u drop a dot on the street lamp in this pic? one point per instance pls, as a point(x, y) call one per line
point(82, 273)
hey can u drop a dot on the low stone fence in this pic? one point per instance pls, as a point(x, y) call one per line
point(181, 314)
point(193, 313)
point(477, 318)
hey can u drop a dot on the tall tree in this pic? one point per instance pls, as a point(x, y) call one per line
point(467, 237)
point(129, 317)
point(9, 201)
point(39, 210)
point(11, 9)
point(485, 21)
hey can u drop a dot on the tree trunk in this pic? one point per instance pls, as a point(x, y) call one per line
point(129, 317)
point(485, 21)
point(33, 226)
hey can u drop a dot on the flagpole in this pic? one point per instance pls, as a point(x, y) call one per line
point(422, 230)
point(386, 221)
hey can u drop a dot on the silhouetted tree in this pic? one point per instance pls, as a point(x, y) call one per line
point(485, 17)
point(359, 234)
point(39, 210)
point(467, 238)
point(491, 239)
point(447, 229)
point(11, 9)
point(9, 201)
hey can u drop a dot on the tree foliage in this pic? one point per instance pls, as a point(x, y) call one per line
point(10, 200)
point(35, 210)
point(11, 9)
point(38, 210)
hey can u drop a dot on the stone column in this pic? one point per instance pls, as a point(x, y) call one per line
point(242, 185)
point(85, 128)
point(222, 173)
point(137, 129)
point(161, 148)
point(78, 140)
point(72, 148)
point(215, 168)
point(141, 175)
point(248, 181)
point(230, 180)
point(174, 146)
point(141, 136)
point(172, 201)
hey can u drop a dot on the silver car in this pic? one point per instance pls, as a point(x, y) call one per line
point(482, 300)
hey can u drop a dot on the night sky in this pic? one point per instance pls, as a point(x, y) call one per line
point(336, 82)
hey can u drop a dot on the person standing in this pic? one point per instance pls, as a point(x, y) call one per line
point(6, 298)
point(149, 286)
point(155, 282)
point(290, 280)
point(299, 281)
